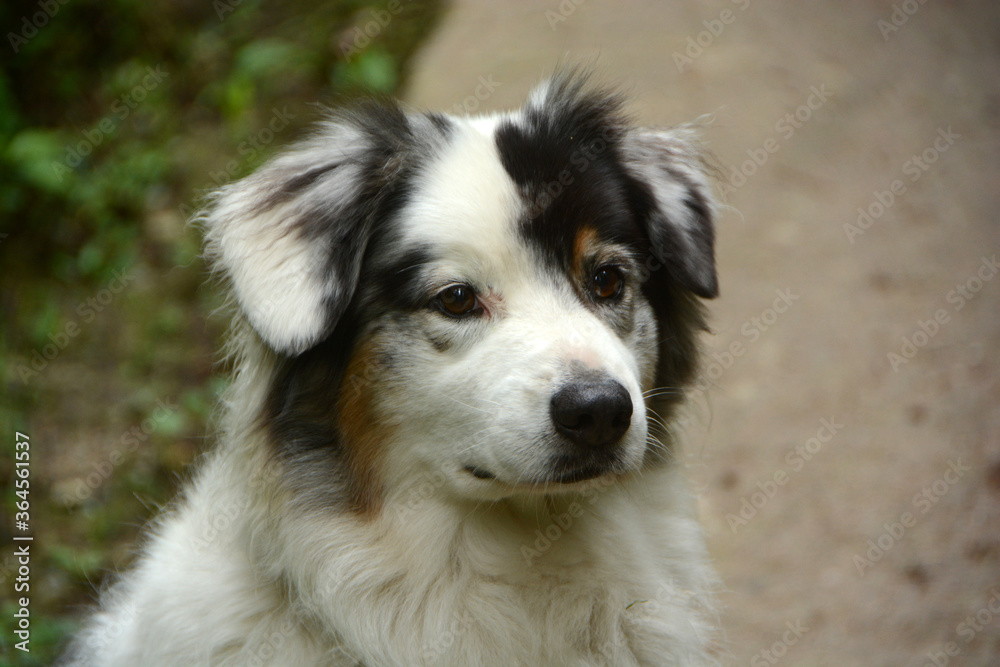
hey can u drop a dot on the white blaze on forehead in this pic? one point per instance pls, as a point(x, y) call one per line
point(468, 209)
point(467, 206)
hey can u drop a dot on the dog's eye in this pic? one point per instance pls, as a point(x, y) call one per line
point(607, 282)
point(457, 300)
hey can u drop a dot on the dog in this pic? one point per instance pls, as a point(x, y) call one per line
point(460, 345)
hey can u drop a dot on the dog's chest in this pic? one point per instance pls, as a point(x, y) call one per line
point(503, 593)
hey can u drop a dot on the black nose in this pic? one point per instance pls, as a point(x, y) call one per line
point(592, 413)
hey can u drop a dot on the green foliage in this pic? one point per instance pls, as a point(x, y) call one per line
point(109, 97)
point(116, 116)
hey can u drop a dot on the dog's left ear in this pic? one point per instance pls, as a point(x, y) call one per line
point(672, 176)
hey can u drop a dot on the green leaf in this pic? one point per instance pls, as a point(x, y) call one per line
point(373, 70)
point(39, 156)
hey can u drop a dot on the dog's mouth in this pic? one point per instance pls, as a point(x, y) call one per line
point(563, 475)
point(479, 473)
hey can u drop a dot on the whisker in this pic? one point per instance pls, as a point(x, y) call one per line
point(472, 407)
point(662, 391)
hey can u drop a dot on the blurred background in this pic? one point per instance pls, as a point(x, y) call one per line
point(845, 441)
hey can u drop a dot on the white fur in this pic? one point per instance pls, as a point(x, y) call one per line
point(626, 582)
point(453, 570)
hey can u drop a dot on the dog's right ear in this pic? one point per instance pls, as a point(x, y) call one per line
point(290, 237)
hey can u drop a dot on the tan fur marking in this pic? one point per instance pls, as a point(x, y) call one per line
point(364, 434)
point(585, 240)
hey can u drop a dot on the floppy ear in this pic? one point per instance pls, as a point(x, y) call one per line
point(289, 238)
point(681, 210)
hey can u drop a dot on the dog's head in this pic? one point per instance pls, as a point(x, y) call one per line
point(487, 302)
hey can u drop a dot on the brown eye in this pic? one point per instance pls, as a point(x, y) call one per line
point(608, 282)
point(457, 300)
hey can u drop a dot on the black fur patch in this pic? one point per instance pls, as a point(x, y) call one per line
point(565, 156)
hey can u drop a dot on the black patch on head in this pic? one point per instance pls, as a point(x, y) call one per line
point(563, 155)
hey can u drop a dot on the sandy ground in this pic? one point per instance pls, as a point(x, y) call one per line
point(904, 451)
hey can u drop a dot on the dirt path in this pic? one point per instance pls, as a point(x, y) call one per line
point(814, 432)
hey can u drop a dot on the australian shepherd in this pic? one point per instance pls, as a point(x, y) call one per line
point(460, 344)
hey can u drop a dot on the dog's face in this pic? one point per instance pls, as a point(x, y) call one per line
point(484, 302)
